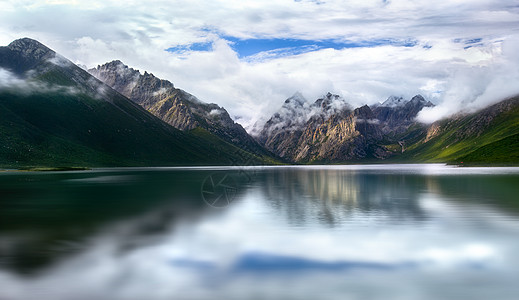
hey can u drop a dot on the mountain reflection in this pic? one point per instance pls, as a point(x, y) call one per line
point(286, 233)
point(46, 216)
point(333, 196)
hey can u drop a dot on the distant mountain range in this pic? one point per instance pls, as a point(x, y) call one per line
point(329, 130)
point(53, 113)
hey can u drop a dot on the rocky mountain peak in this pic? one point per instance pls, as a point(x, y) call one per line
point(417, 99)
point(141, 88)
point(364, 112)
point(297, 99)
point(174, 106)
point(330, 104)
point(31, 48)
point(115, 73)
point(393, 101)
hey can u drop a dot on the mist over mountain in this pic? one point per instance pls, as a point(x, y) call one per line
point(175, 106)
point(331, 130)
point(396, 115)
point(54, 113)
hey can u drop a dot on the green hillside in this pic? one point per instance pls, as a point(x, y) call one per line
point(488, 136)
point(504, 151)
point(63, 130)
point(58, 115)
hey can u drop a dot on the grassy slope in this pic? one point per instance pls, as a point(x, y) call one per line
point(65, 117)
point(470, 138)
point(59, 129)
point(504, 151)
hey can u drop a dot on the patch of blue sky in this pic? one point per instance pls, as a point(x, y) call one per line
point(283, 47)
point(204, 46)
point(248, 47)
point(276, 47)
point(469, 42)
point(281, 52)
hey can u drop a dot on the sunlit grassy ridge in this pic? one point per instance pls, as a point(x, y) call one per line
point(486, 137)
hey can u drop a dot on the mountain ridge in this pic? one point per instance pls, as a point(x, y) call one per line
point(331, 130)
point(56, 114)
point(176, 107)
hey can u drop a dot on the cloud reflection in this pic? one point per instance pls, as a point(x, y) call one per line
point(294, 233)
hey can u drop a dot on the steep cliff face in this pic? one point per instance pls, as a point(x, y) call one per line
point(175, 106)
point(396, 114)
point(330, 130)
point(283, 129)
point(342, 136)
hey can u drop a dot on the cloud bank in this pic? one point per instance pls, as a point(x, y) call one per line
point(248, 56)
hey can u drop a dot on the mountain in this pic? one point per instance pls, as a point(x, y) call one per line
point(330, 130)
point(54, 113)
point(397, 114)
point(175, 106)
point(489, 136)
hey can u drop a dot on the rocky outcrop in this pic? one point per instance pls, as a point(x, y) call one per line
point(396, 114)
point(175, 106)
point(330, 130)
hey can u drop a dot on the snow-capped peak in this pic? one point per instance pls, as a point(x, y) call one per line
point(393, 101)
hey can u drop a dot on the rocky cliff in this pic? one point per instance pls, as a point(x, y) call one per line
point(396, 114)
point(330, 130)
point(175, 106)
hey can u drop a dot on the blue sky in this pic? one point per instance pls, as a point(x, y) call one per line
point(284, 46)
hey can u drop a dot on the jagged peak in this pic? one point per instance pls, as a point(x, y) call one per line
point(117, 62)
point(393, 101)
point(331, 96)
point(331, 102)
point(417, 98)
point(115, 65)
point(25, 43)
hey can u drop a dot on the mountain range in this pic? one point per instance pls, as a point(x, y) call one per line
point(54, 113)
point(175, 106)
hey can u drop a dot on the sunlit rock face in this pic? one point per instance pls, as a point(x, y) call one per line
point(174, 106)
point(331, 130)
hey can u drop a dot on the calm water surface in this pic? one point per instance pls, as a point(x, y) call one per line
point(319, 232)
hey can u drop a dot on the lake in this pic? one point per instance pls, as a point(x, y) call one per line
point(295, 232)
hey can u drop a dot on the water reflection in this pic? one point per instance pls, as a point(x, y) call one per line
point(46, 216)
point(336, 196)
point(391, 232)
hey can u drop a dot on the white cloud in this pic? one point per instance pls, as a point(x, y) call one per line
point(472, 87)
point(439, 66)
point(8, 81)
